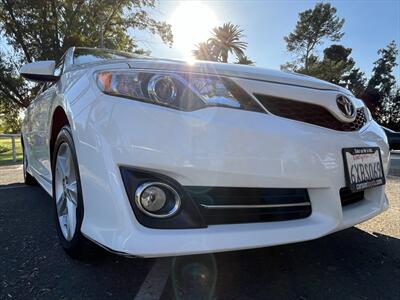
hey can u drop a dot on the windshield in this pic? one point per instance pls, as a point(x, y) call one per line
point(87, 55)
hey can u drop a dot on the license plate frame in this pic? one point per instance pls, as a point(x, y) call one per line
point(360, 185)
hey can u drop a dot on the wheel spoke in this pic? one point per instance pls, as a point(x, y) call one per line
point(64, 224)
point(61, 166)
point(66, 191)
point(72, 191)
point(71, 217)
point(68, 161)
point(60, 203)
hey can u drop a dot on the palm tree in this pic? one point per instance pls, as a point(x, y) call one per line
point(227, 39)
point(205, 51)
point(244, 60)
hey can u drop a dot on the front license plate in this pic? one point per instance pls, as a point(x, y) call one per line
point(363, 168)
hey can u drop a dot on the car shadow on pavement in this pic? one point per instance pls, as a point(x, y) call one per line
point(33, 264)
point(351, 264)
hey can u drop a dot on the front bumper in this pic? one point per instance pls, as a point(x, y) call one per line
point(214, 147)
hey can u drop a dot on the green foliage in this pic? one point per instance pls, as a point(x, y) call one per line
point(382, 78)
point(227, 39)
point(3, 149)
point(355, 81)
point(205, 51)
point(10, 121)
point(337, 67)
point(337, 53)
point(244, 60)
point(314, 25)
point(6, 151)
point(379, 93)
point(13, 90)
point(224, 39)
point(44, 29)
point(335, 64)
point(394, 117)
point(388, 109)
point(383, 84)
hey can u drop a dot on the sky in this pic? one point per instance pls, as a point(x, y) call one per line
point(369, 25)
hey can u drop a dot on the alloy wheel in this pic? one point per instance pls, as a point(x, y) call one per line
point(66, 196)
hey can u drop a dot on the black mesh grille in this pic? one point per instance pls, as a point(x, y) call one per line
point(220, 205)
point(348, 197)
point(309, 113)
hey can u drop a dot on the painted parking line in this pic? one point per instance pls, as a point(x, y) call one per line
point(153, 286)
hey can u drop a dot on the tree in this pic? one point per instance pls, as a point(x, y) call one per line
point(383, 83)
point(314, 25)
point(382, 78)
point(394, 118)
point(10, 121)
point(355, 81)
point(44, 29)
point(205, 51)
point(227, 39)
point(334, 65)
point(337, 53)
point(244, 60)
point(337, 67)
point(224, 39)
point(12, 87)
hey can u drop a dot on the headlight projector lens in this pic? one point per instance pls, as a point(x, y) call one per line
point(162, 89)
point(157, 199)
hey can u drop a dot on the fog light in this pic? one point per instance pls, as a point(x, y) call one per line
point(153, 198)
point(157, 199)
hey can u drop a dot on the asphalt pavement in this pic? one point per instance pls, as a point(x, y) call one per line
point(362, 262)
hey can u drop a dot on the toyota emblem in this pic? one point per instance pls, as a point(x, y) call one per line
point(346, 106)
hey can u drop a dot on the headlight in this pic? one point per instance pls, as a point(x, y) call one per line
point(185, 92)
point(162, 89)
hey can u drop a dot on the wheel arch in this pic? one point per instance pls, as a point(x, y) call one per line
point(58, 121)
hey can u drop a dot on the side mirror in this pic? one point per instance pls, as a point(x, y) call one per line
point(39, 71)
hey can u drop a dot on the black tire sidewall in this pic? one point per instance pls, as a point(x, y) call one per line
point(75, 244)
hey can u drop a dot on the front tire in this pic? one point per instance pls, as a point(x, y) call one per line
point(67, 195)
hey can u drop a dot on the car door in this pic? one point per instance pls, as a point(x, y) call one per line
point(27, 132)
point(40, 118)
point(30, 134)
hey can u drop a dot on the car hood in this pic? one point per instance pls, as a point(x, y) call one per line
point(223, 69)
point(234, 70)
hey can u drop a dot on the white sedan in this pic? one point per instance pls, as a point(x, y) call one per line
point(151, 157)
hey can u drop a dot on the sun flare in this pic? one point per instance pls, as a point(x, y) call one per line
point(191, 23)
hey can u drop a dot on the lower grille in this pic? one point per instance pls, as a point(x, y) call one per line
point(223, 205)
point(348, 197)
point(310, 113)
